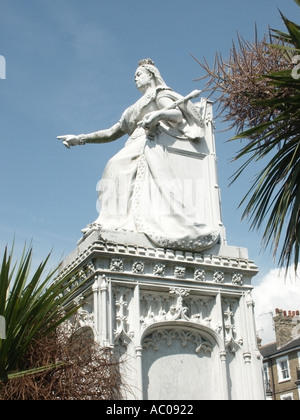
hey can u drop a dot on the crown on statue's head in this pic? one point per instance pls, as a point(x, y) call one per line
point(146, 61)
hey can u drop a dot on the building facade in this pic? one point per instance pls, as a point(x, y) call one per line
point(282, 358)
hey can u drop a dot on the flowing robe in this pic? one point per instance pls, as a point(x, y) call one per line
point(140, 191)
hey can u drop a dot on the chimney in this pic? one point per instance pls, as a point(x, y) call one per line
point(284, 322)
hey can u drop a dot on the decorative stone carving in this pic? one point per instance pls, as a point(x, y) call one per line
point(159, 269)
point(136, 253)
point(229, 326)
point(78, 300)
point(219, 277)
point(169, 335)
point(90, 268)
point(162, 308)
point(121, 333)
point(116, 264)
point(237, 279)
point(138, 267)
point(178, 311)
point(179, 272)
point(85, 318)
point(199, 274)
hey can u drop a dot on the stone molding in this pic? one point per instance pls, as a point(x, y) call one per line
point(184, 336)
point(138, 299)
point(146, 262)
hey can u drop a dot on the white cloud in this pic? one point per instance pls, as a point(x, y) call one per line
point(275, 290)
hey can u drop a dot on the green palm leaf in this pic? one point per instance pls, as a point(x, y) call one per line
point(33, 306)
point(273, 201)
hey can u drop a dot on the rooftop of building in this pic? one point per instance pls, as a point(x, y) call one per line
point(271, 349)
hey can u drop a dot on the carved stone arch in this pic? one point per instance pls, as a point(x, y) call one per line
point(180, 360)
point(206, 332)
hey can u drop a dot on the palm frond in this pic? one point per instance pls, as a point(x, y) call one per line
point(34, 306)
point(259, 97)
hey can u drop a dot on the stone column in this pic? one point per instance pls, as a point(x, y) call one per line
point(224, 379)
point(104, 310)
point(138, 344)
point(95, 289)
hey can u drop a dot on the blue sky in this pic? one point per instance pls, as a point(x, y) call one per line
point(69, 69)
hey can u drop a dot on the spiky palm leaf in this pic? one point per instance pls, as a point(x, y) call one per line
point(259, 95)
point(274, 198)
point(33, 306)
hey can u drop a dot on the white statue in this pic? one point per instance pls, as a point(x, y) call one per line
point(139, 191)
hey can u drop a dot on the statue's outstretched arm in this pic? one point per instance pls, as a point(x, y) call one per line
point(102, 136)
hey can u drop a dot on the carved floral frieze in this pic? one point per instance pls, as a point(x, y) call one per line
point(232, 343)
point(84, 317)
point(199, 274)
point(237, 279)
point(116, 264)
point(177, 305)
point(219, 276)
point(122, 335)
point(159, 269)
point(138, 267)
point(168, 336)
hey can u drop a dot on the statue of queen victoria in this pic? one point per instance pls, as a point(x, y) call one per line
point(139, 189)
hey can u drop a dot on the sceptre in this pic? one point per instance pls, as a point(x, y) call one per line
point(192, 95)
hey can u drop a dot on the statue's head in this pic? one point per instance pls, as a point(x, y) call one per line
point(149, 64)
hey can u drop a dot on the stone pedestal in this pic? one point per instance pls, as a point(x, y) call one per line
point(182, 322)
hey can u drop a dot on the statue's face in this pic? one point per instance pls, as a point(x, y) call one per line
point(143, 79)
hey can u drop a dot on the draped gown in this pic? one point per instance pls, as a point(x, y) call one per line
point(140, 191)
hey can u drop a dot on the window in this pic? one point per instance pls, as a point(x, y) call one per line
point(267, 381)
point(266, 372)
point(283, 369)
point(286, 397)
